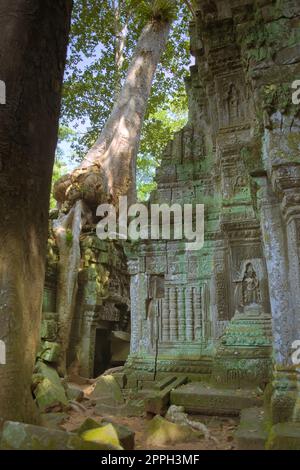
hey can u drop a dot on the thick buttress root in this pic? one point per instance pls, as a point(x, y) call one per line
point(67, 230)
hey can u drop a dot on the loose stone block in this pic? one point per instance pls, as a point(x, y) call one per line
point(284, 436)
point(105, 434)
point(108, 390)
point(74, 393)
point(203, 398)
point(49, 391)
point(158, 402)
point(50, 351)
point(161, 432)
point(252, 432)
point(125, 435)
point(49, 330)
point(20, 436)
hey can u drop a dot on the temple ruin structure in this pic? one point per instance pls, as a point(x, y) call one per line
point(215, 327)
point(228, 314)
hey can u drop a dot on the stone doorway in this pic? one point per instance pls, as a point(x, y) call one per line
point(102, 355)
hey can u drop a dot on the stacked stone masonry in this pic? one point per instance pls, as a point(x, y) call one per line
point(239, 155)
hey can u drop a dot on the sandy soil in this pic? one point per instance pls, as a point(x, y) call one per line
point(220, 428)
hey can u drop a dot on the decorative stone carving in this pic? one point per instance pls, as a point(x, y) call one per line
point(221, 297)
point(188, 134)
point(250, 287)
point(231, 99)
point(154, 307)
point(244, 353)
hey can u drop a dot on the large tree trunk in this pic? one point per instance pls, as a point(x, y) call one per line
point(109, 168)
point(116, 149)
point(121, 31)
point(33, 47)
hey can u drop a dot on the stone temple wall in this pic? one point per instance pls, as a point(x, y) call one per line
point(101, 327)
point(238, 155)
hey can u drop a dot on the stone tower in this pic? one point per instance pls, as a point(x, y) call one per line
point(239, 156)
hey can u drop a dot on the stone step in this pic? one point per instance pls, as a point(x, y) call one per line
point(252, 432)
point(201, 398)
point(157, 402)
point(284, 436)
point(163, 383)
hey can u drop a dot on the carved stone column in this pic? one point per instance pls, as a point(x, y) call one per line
point(275, 249)
point(189, 314)
point(198, 313)
point(181, 319)
point(165, 335)
point(173, 314)
point(87, 344)
point(138, 308)
point(286, 385)
point(286, 182)
point(286, 396)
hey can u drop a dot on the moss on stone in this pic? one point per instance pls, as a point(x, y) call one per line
point(20, 436)
point(161, 432)
point(284, 436)
point(278, 97)
point(106, 435)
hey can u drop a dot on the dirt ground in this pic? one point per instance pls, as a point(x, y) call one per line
point(222, 429)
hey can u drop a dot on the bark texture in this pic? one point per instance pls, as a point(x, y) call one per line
point(109, 168)
point(33, 47)
point(67, 229)
point(121, 32)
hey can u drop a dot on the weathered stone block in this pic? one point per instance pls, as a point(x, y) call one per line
point(108, 390)
point(252, 432)
point(49, 330)
point(120, 378)
point(53, 420)
point(158, 402)
point(161, 432)
point(198, 397)
point(243, 357)
point(88, 424)
point(74, 393)
point(20, 436)
point(284, 436)
point(49, 391)
point(50, 351)
point(125, 435)
point(282, 405)
point(105, 434)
